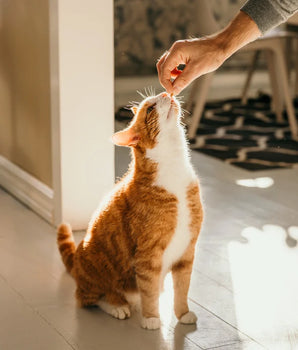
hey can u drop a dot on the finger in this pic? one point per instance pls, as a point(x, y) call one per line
point(160, 62)
point(171, 61)
point(184, 79)
point(159, 70)
point(161, 59)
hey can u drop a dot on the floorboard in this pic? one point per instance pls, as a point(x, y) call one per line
point(244, 284)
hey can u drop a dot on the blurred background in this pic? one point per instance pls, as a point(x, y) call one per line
point(257, 87)
point(158, 25)
point(243, 114)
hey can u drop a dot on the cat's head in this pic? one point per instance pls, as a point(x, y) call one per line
point(154, 115)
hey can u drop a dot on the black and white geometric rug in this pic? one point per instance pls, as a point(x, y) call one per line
point(246, 136)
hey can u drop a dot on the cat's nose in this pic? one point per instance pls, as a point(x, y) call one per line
point(167, 96)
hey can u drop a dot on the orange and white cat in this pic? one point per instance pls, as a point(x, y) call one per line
point(148, 225)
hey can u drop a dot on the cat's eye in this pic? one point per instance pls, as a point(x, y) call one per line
point(150, 109)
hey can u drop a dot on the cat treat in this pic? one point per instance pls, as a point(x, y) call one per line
point(148, 226)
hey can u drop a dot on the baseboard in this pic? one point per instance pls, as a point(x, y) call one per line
point(26, 188)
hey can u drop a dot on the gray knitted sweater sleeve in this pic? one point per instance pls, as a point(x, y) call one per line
point(269, 13)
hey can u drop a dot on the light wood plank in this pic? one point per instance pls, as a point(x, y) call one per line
point(22, 327)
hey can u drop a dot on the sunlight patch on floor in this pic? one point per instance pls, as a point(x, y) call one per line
point(262, 269)
point(293, 232)
point(166, 301)
point(258, 182)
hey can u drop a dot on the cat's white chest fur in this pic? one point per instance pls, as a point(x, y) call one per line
point(175, 174)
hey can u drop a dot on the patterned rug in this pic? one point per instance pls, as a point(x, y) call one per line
point(246, 136)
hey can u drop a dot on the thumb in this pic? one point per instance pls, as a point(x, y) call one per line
point(184, 79)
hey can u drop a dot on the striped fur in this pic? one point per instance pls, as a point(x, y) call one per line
point(146, 227)
point(66, 246)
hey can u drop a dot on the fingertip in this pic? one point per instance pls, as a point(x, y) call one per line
point(176, 91)
point(167, 84)
point(170, 90)
point(161, 59)
point(183, 80)
point(177, 87)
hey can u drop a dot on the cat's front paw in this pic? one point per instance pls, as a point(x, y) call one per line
point(188, 318)
point(150, 323)
point(121, 312)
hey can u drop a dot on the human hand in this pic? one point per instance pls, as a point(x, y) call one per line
point(200, 56)
point(204, 55)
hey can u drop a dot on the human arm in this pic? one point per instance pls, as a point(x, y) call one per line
point(269, 13)
point(204, 55)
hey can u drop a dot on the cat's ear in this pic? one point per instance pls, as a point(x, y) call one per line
point(126, 137)
point(134, 109)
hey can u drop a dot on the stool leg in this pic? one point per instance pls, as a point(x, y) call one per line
point(288, 50)
point(296, 68)
point(277, 103)
point(251, 70)
point(282, 69)
point(192, 94)
point(202, 92)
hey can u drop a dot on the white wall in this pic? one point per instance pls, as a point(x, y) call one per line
point(82, 87)
point(25, 121)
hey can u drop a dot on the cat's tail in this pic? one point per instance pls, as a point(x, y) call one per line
point(66, 245)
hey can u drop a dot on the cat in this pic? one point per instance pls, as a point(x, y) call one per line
point(147, 226)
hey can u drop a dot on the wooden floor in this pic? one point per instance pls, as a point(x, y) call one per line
point(244, 286)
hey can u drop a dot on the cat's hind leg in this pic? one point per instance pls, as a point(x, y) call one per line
point(87, 298)
point(115, 305)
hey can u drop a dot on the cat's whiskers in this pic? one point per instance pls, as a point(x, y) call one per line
point(141, 94)
point(134, 103)
point(146, 92)
point(149, 92)
point(180, 98)
point(184, 111)
point(152, 90)
point(182, 123)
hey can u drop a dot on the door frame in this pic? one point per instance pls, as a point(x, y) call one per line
point(82, 106)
